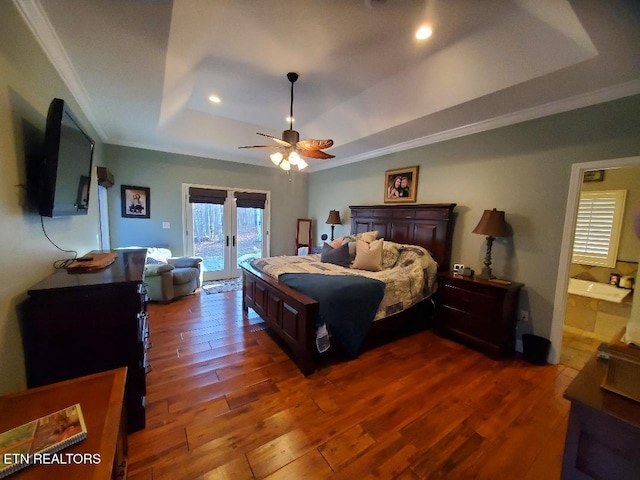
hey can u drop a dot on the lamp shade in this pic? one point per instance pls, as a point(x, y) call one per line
point(492, 224)
point(334, 218)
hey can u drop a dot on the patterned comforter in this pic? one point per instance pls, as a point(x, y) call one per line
point(408, 280)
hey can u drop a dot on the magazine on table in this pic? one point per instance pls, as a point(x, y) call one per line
point(29, 443)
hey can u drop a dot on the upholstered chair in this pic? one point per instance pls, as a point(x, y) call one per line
point(170, 277)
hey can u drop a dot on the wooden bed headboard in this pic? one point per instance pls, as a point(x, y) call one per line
point(427, 225)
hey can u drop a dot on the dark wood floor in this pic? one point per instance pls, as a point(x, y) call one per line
point(224, 401)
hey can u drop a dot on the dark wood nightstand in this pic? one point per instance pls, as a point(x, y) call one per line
point(479, 313)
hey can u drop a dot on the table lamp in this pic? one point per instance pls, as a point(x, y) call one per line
point(492, 225)
point(333, 220)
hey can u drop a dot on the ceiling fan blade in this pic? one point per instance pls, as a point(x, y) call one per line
point(314, 144)
point(261, 146)
point(314, 154)
point(277, 140)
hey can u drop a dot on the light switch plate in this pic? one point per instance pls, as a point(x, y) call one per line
point(166, 225)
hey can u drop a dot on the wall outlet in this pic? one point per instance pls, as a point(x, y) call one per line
point(524, 316)
point(166, 225)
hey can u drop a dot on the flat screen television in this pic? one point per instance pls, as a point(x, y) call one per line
point(65, 169)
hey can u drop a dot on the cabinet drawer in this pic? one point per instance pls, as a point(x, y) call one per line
point(476, 302)
point(469, 324)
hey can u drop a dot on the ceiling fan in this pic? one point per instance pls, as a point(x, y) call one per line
point(290, 147)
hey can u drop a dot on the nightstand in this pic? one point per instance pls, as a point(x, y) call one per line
point(479, 313)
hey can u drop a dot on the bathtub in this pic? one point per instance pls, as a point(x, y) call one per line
point(601, 291)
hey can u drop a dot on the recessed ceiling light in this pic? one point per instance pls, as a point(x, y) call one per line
point(424, 32)
point(214, 99)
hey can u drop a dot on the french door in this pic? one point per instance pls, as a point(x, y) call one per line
point(225, 227)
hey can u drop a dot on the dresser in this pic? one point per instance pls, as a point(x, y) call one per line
point(604, 429)
point(76, 324)
point(479, 313)
point(101, 399)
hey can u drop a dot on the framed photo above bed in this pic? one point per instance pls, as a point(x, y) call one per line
point(401, 185)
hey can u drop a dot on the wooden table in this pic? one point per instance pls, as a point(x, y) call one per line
point(101, 398)
point(604, 429)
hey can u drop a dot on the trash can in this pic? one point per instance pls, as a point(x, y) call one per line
point(535, 349)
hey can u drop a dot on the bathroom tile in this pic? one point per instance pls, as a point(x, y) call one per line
point(609, 325)
point(580, 313)
point(622, 309)
point(577, 346)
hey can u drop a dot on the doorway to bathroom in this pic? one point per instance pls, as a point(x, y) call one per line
point(582, 323)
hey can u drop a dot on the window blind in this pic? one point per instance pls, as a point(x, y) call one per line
point(207, 195)
point(598, 227)
point(250, 200)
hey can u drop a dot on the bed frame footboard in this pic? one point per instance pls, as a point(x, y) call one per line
point(290, 314)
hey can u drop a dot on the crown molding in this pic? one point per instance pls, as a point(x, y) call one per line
point(36, 18)
point(565, 105)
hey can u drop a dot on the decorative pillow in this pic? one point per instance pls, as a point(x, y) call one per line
point(351, 240)
point(364, 236)
point(154, 261)
point(368, 255)
point(390, 254)
point(336, 243)
point(337, 256)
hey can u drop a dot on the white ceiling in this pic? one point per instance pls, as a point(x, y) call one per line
point(142, 70)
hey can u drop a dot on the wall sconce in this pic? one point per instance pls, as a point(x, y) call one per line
point(492, 225)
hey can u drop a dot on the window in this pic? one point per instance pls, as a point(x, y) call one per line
point(598, 227)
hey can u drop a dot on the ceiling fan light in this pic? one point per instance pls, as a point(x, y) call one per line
point(294, 158)
point(302, 164)
point(276, 158)
point(424, 32)
point(285, 165)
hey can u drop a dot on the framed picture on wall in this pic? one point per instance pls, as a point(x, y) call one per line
point(401, 185)
point(135, 202)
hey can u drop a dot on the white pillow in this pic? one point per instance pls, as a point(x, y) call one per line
point(368, 255)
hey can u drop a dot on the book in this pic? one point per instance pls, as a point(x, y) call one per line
point(31, 442)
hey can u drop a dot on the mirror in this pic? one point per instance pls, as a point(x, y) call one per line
point(303, 236)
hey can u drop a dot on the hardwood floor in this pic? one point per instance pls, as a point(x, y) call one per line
point(224, 401)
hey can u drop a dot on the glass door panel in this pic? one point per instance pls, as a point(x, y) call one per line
point(248, 239)
point(224, 235)
point(210, 239)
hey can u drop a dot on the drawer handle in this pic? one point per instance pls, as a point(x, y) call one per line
point(148, 368)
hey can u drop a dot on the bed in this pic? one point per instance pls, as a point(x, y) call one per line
point(292, 316)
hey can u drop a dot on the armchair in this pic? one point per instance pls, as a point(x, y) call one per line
point(169, 277)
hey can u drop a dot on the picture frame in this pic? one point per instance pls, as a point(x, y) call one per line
point(136, 201)
point(401, 185)
point(593, 176)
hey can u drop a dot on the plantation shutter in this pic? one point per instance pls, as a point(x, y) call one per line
point(598, 227)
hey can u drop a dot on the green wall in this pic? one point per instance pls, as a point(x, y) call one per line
point(523, 169)
point(164, 173)
point(28, 83)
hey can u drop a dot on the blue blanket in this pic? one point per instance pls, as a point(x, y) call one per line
point(347, 303)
